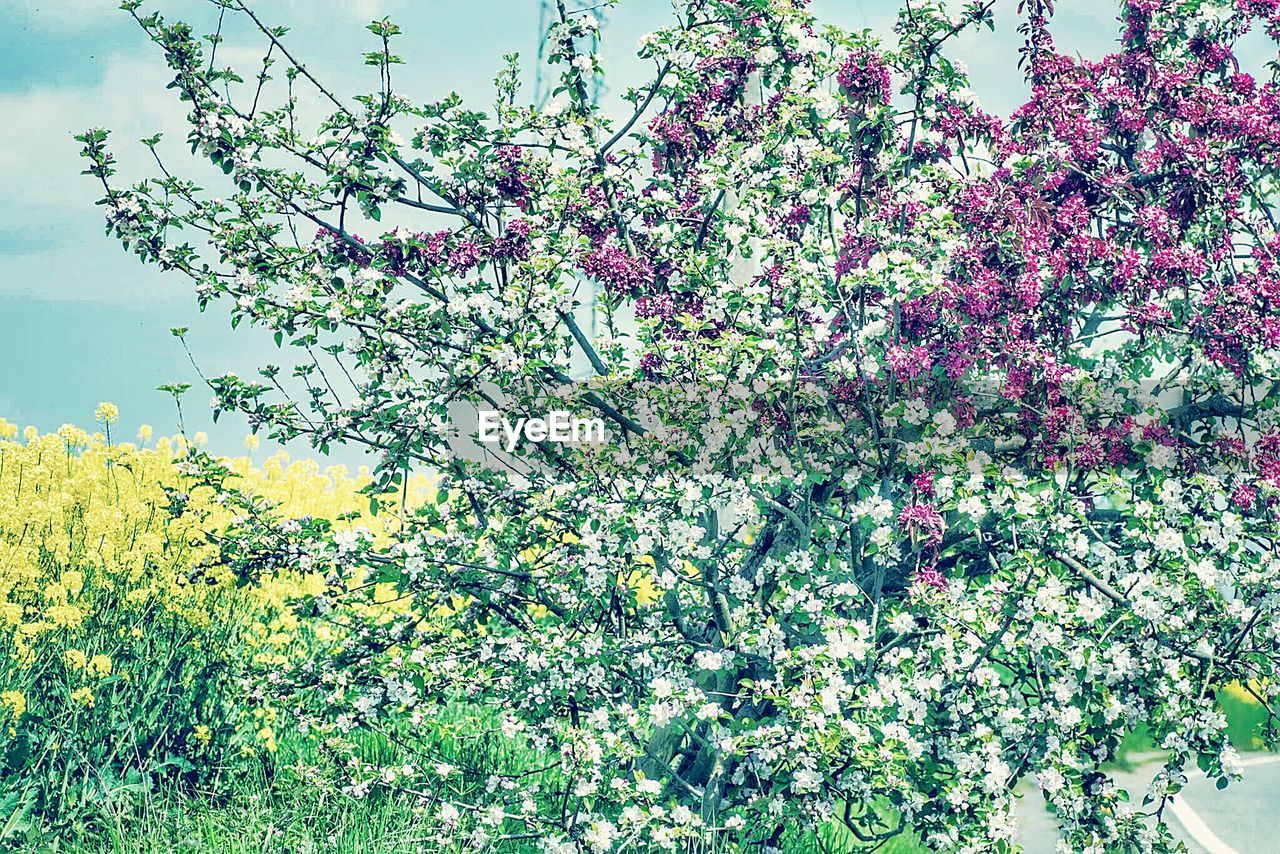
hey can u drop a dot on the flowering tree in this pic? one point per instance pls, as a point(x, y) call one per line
point(942, 446)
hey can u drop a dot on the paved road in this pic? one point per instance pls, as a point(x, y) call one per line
point(1243, 818)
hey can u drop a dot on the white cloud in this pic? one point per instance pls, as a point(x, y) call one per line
point(37, 152)
point(43, 194)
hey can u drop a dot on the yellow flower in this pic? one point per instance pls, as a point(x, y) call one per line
point(252, 442)
point(107, 413)
point(72, 581)
point(144, 433)
point(16, 703)
point(200, 439)
point(7, 429)
point(268, 738)
point(73, 435)
point(65, 616)
point(89, 552)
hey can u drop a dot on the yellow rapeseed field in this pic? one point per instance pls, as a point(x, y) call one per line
point(118, 627)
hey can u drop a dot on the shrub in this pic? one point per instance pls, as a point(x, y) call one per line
point(945, 446)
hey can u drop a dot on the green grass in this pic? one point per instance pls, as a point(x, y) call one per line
point(262, 818)
point(1246, 720)
point(257, 812)
point(300, 823)
point(279, 810)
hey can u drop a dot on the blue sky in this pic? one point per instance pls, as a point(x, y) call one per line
point(81, 321)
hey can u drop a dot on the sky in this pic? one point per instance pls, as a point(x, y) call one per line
point(82, 321)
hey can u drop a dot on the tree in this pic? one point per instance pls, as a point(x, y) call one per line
point(942, 446)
